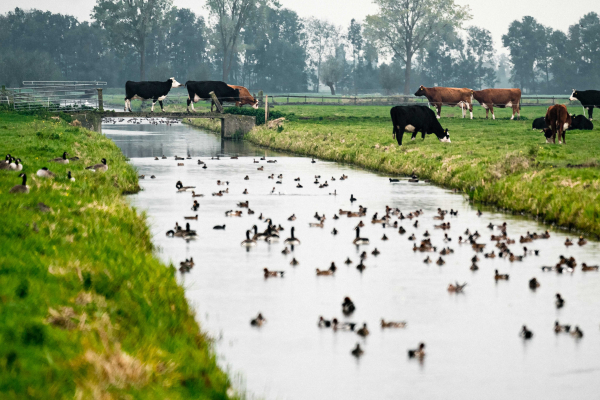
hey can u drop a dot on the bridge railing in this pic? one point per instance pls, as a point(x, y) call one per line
point(56, 96)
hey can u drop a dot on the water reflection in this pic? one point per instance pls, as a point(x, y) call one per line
point(473, 345)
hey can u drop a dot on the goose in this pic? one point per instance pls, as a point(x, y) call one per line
point(533, 284)
point(334, 193)
point(219, 227)
point(412, 237)
point(17, 166)
point(292, 240)
point(364, 332)
point(418, 352)
point(69, 177)
point(187, 263)
point(561, 328)
point(258, 321)
point(257, 235)
point(44, 173)
point(196, 195)
point(272, 274)
point(456, 288)
point(352, 198)
point(194, 217)
point(357, 351)
point(585, 267)
point(526, 333)
point(334, 232)
point(577, 333)
point(7, 165)
point(329, 271)
point(345, 326)
point(61, 160)
point(102, 167)
point(348, 306)
point(358, 240)
point(323, 323)
point(361, 267)
point(500, 277)
point(560, 302)
point(393, 180)
point(195, 206)
point(294, 262)
point(392, 324)
point(23, 188)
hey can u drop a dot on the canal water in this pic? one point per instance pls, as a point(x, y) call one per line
point(473, 347)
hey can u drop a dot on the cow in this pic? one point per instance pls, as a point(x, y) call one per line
point(501, 98)
point(439, 96)
point(245, 97)
point(157, 91)
point(579, 122)
point(557, 120)
point(539, 124)
point(588, 99)
point(416, 119)
point(200, 90)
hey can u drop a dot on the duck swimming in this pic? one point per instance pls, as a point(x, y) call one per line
point(348, 306)
point(258, 321)
point(418, 352)
point(357, 352)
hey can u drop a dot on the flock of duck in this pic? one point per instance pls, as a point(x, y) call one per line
point(139, 121)
point(11, 163)
point(392, 218)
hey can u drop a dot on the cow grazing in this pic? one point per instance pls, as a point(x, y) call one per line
point(579, 122)
point(452, 97)
point(588, 99)
point(539, 124)
point(157, 91)
point(245, 97)
point(200, 90)
point(416, 119)
point(557, 120)
point(501, 98)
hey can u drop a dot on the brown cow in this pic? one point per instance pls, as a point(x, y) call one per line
point(557, 119)
point(488, 98)
point(452, 97)
point(245, 97)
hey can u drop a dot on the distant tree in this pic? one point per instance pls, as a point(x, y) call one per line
point(403, 27)
point(503, 71)
point(129, 22)
point(481, 47)
point(355, 41)
point(321, 36)
point(331, 72)
point(585, 38)
point(390, 77)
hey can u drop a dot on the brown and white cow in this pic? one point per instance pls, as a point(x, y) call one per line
point(558, 120)
point(490, 98)
point(245, 97)
point(452, 97)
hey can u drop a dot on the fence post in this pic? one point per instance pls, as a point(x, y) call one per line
point(100, 100)
point(304, 99)
point(266, 108)
point(216, 101)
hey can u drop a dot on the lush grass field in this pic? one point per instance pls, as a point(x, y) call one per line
point(499, 162)
point(86, 309)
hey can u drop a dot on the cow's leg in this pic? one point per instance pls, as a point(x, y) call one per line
point(161, 106)
point(154, 100)
point(590, 113)
point(129, 104)
point(188, 104)
point(487, 111)
point(464, 112)
point(125, 104)
point(491, 108)
point(423, 135)
point(439, 111)
point(471, 110)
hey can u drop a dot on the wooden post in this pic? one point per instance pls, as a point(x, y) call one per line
point(266, 108)
point(214, 98)
point(100, 100)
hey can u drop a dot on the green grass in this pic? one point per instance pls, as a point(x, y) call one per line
point(501, 162)
point(86, 309)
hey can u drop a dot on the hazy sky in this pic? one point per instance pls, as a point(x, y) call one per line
point(492, 15)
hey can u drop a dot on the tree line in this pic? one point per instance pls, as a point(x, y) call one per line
point(261, 45)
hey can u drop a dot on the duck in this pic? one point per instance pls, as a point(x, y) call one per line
point(345, 326)
point(456, 288)
point(384, 238)
point(585, 267)
point(533, 284)
point(358, 240)
point(558, 328)
point(292, 217)
point(196, 195)
point(375, 252)
point(7, 164)
point(427, 260)
point(352, 198)
point(581, 241)
point(258, 321)
point(16, 166)
point(285, 251)
point(219, 227)
point(414, 179)
point(101, 167)
point(45, 173)
point(392, 324)
point(577, 333)
point(560, 302)
point(418, 352)
point(70, 177)
point(292, 240)
point(195, 206)
point(348, 261)
point(323, 323)
point(294, 262)
point(401, 230)
point(348, 306)
point(440, 261)
point(568, 242)
point(142, 177)
point(334, 231)
point(187, 263)
point(61, 160)
point(364, 332)
point(357, 351)
point(247, 242)
point(473, 267)
point(329, 271)
point(490, 255)
point(500, 277)
point(394, 180)
point(22, 188)
point(526, 333)
point(363, 255)
point(245, 191)
point(194, 217)
point(361, 267)
point(272, 274)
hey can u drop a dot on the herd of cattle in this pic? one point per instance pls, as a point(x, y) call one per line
point(413, 119)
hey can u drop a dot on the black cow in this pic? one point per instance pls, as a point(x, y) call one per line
point(199, 90)
point(579, 122)
point(415, 119)
point(588, 99)
point(539, 123)
point(157, 91)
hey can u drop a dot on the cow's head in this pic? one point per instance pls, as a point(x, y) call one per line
point(446, 137)
point(174, 83)
point(547, 134)
point(420, 91)
point(255, 105)
point(573, 95)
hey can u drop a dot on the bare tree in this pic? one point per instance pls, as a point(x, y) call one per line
point(231, 17)
point(129, 22)
point(322, 37)
point(403, 27)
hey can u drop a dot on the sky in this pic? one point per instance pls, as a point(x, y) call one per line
point(495, 16)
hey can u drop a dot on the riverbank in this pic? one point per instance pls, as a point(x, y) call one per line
point(88, 311)
point(503, 163)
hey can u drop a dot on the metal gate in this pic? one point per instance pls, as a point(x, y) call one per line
point(56, 95)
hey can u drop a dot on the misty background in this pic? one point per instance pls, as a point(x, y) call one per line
point(264, 45)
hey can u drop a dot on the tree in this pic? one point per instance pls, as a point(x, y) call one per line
point(389, 77)
point(481, 47)
point(355, 40)
point(585, 38)
point(129, 22)
point(332, 71)
point(404, 27)
point(320, 34)
point(231, 17)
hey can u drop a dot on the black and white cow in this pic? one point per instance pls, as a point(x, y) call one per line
point(415, 119)
point(579, 122)
point(588, 99)
point(157, 91)
point(199, 90)
point(539, 124)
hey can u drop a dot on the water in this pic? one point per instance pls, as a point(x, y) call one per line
point(473, 346)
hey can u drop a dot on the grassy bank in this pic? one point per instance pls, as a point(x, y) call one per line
point(86, 309)
point(500, 162)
